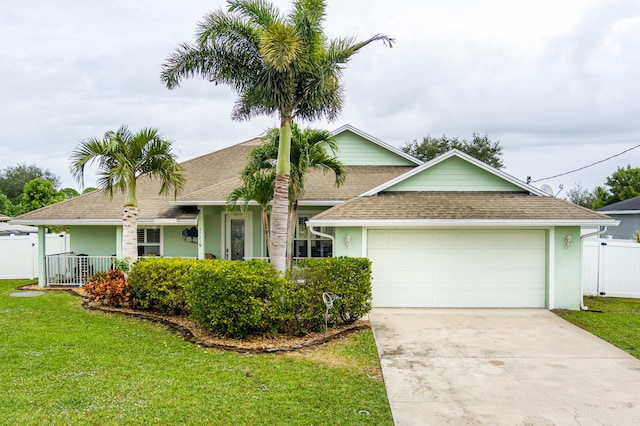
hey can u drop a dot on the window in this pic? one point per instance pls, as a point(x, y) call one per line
point(306, 244)
point(148, 241)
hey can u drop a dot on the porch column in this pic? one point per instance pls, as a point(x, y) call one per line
point(119, 242)
point(201, 234)
point(42, 264)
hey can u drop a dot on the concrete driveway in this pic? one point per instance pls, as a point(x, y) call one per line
point(502, 367)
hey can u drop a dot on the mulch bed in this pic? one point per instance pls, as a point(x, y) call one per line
point(192, 332)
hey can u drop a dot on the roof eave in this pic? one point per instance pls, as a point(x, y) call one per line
point(312, 203)
point(200, 202)
point(103, 222)
point(607, 212)
point(463, 223)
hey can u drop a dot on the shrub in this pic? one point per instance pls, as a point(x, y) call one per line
point(346, 277)
point(158, 283)
point(109, 288)
point(236, 299)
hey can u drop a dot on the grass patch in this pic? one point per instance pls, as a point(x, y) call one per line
point(61, 364)
point(618, 321)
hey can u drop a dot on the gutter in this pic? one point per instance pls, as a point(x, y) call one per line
point(321, 234)
point(591, 234)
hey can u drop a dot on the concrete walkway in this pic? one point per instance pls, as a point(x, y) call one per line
point(502, 367)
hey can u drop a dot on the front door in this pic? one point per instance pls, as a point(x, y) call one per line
point(236, 238)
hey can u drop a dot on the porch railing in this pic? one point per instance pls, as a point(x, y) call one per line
point(75, 269)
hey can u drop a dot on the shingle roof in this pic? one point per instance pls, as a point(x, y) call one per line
point(211, 178)
point(199, 172)
point(630, 204)
point(318, 186)
point(458, 206)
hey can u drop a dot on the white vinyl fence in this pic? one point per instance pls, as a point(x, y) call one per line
point(19, 254)
point(611, 268)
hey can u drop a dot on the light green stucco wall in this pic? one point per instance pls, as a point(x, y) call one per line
point(93, 240)
point(175, 245)
point(568, 268)
point(358, 151)
point(256, 232)
point(454, 174)
point(340, 247)
point(212, 225)
point(213, 217)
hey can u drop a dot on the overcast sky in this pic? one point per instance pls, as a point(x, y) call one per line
point(557, 82)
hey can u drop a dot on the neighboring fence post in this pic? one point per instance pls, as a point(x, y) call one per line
point(42, 262)
point(600, 291)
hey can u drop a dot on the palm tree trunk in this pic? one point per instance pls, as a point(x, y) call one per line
point(280, 206)
point(130, 233)
point(293, 215)
point(267, 234)
point(279, 222)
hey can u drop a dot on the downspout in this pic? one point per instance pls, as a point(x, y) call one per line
point(331, 237)
point(591, 234)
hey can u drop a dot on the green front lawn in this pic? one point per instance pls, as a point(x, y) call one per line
point(618, 321)
point(62, 364)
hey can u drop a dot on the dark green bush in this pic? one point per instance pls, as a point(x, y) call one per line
point(346, 277)
point(158, 283)
point(234, 298)
point(239, 299)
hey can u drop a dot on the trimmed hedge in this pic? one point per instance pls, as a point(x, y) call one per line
point(239, 299)
point(235, 298)
point(346, 277)
point(158, 283)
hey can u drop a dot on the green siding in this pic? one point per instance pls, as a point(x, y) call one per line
point(355, 150)
point(568, 268)
point(93, 240)
point(341, 249)
point(175, 245)
point(257, 233)
point(213, 230)
point(454, 174)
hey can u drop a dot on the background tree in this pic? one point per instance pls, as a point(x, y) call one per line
point(124, 157)
point(623, 184)
point(582, 196)
point(479, 147)
point(278, 64)
point(6, 206)
point(69, 193)
point(37, 194)
point(13, 179)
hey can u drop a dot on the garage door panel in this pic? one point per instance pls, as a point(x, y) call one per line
point(458, 268)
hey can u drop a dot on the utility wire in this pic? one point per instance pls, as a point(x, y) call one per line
point(587, 166)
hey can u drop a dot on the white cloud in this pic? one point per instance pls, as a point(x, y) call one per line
point(555, 82)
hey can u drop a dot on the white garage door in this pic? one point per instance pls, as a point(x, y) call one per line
point(458, 268)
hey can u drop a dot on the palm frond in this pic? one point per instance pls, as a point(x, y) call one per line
point(262, 12)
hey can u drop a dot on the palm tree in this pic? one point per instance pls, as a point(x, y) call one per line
point(256, 187)
point(123, 157)
point(310, 148)
point(277, 64)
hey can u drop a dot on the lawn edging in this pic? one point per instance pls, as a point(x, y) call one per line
point(190, 332)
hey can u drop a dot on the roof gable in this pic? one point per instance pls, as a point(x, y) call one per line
point(455, 171)
point(356, 148)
